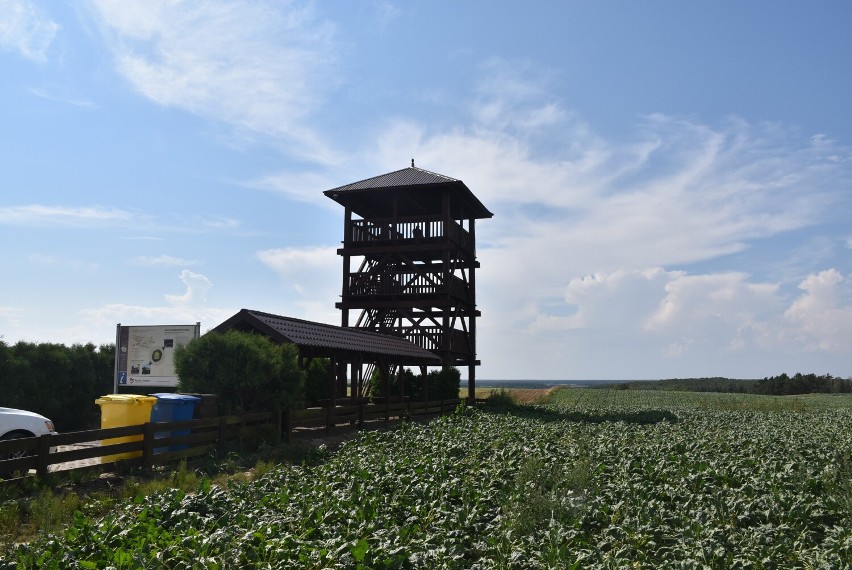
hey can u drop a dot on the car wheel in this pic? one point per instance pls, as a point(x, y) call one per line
point(14, 454)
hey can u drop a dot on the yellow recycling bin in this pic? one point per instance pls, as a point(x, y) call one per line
point(119, 410)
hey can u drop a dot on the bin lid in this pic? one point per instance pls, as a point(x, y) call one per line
point(177, 398)
point(128, 399)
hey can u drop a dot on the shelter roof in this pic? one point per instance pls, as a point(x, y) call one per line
point(423, 188)
point(323, 340)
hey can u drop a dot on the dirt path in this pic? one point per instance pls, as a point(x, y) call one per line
point(530, 396)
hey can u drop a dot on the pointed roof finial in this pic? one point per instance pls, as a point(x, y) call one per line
point(412, 163)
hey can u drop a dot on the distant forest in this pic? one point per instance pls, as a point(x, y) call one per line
point(782, 385)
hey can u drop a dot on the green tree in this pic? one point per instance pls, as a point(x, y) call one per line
point(444, 384)
point(247, 371)
point(317, 378)
point(404, 378)
point(440, 384)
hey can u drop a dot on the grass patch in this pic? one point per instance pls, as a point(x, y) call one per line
point(544, 492)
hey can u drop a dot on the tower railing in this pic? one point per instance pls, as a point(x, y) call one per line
point(404, 283)
point(431, 338)
point(423, 229)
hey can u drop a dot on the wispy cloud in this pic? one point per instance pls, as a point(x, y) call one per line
point(84, 217)
point(587, 229)
point(260, 67)
point(26, 30)
point(161, 260)
point(10, 312)
point(94, 217)
point(301, 186)
point(50, 96)
point(311, 276)
point(63, 262)
point(305, 269)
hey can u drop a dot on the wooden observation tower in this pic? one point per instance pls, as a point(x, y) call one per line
point(409, 261)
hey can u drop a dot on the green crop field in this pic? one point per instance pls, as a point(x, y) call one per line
point(592, 479)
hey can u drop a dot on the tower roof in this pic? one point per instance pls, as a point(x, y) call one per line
point(422, 188)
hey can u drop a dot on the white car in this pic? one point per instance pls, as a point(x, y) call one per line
point(15, 424)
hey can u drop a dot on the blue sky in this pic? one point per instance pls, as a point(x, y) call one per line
point(670, 180)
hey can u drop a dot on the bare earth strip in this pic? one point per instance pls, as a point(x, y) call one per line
point(76, 464)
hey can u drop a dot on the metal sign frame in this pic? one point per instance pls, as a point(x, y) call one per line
point(144, 355)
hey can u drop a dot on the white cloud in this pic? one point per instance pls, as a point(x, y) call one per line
point(261, 67)
point(189, 307)
point(578, 265)
point(715, 312)
point(307, 270)
point(630, 323)
point(670, 312)
point(822, 315)
point(25, 29)
point(313, 274)
point(197, 286)
point(302, 186)
point(622, 296)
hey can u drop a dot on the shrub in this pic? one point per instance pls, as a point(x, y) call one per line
point(444, 384)
point(317, 378)
point(57, 381)
point(405, 378)
point(248, 371)
point(441, 384)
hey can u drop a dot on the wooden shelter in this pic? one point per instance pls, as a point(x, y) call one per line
point(345, 347)
point(409, 261)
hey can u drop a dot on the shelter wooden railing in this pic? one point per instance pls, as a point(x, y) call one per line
point(157, 443)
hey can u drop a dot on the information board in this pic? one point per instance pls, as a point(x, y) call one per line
point(144, 355)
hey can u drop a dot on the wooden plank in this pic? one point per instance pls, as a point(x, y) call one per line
point(19, 444)
point(20, 464)
point(181, 454)
point(204, 434)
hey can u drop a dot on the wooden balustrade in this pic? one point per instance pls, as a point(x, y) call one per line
point(157, 443)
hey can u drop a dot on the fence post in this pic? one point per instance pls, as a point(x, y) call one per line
point(220, 443)
point(287, 428)
point(148, 445)
point(43, 454)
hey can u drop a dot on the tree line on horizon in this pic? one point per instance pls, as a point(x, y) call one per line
point(781, 385)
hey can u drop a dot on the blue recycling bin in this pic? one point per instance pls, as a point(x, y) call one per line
point(173, 408)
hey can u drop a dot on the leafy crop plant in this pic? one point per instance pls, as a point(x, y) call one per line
point(594, 479)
